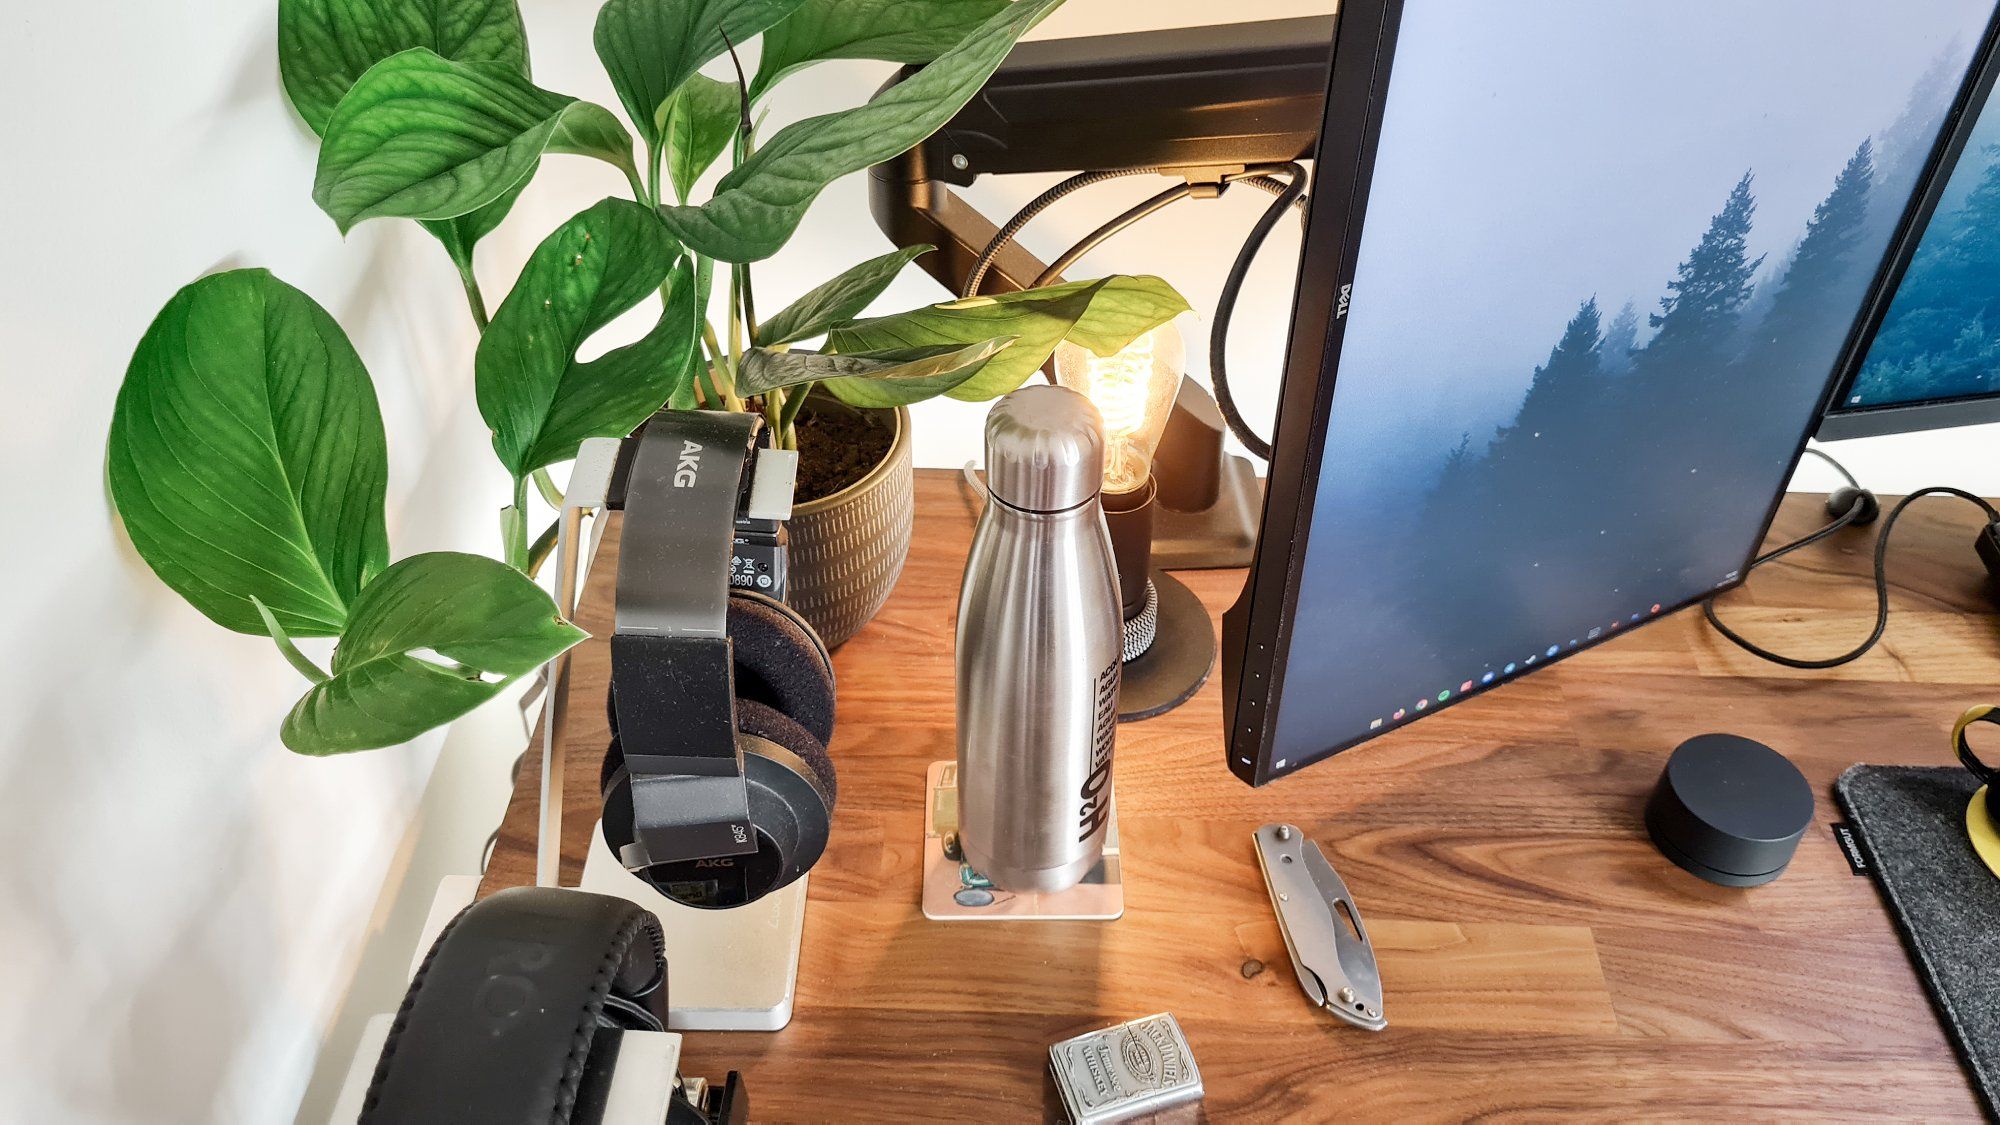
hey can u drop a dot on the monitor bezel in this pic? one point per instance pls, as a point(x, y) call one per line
point(1841, 421)
point(1257, 628)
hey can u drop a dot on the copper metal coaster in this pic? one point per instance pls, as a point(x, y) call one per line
point(954, 892)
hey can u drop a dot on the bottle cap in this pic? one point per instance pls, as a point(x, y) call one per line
point(1044, 449)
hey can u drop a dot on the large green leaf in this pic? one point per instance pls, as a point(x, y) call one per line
point(907, 375)
point(422, 137)
point(843, 298)
point(325, 45)
point(1103, 315)
point(246, 456)
point(758, 205)
point(483, 615)
point(650, 47)
point(898, 31)
point(538, 398)
point(701, 120)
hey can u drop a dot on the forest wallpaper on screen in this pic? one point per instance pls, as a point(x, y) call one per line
point(1941, 336)
point(1697, 254)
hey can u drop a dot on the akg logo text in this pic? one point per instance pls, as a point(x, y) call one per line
point(689, 465)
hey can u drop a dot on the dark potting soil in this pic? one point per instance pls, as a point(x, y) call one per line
point(838, 447)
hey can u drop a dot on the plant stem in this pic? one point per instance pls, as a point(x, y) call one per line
point(742, 270)
point(774, 410)
point(788, 437)
point(473, 298)
point(724, 389)
point(735, 342)
point(649, 192)
point(551, 495)
point(299, 661)
point(544, 544)
point(704, 386)
point(286, 648)
point(514, 526)
point(639, 191)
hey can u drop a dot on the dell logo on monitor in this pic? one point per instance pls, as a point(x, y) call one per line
point(1346, 294)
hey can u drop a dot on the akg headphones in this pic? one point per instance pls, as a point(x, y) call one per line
point(502, 1021)
point(717, 787)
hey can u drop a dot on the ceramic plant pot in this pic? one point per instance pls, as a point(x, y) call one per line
point(847, 549)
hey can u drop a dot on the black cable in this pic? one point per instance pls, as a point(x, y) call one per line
point(1289, 193)
point(1158, 202)
point(1846, 519)
point(1027, 214)
point(1836, 466)
point(1225, 306)
point(1099, 236)
point(1857, 512)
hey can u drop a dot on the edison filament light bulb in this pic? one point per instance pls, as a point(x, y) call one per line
point(1133, 391)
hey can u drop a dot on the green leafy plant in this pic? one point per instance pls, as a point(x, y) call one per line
point(247, 456)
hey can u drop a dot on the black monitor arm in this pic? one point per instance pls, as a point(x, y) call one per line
point(1201, 102)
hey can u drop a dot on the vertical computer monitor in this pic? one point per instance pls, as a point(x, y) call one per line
point(1931, 355)
point(1576, 282)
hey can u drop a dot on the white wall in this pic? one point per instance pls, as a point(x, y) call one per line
point(183, 905)
point(182, 902)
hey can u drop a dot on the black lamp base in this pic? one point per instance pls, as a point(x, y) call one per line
point(1182, 654)
point(1218, 537)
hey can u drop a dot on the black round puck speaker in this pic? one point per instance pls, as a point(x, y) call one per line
point(1729, 810)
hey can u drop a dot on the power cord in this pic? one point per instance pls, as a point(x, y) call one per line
point(1036, 206)
point(1289, 192)
point(1293, 193)
point(1099, 236)
point(1854, 506)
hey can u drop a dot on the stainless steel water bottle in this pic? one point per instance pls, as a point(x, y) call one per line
point(1038, 649)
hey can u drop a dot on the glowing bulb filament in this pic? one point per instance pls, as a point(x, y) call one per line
point(1133, 391)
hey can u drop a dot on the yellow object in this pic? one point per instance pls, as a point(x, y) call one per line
point(1133, 391)
point(1978, 818)
point(1985, 835)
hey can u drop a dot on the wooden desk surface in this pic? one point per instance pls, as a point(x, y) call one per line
point(1538, 956)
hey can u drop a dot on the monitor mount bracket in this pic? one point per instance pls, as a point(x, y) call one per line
point(1202, 103)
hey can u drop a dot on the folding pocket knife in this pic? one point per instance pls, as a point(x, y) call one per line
point(1323, 930)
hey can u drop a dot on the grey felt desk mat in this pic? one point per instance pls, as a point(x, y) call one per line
point(1911, 819)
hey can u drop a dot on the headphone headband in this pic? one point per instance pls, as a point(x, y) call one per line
point(1981, 714)
point(681, 500)
point(673, 678)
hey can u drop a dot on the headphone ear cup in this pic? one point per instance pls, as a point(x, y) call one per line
point(781, 663)
point(584, 962)
point(771, 724)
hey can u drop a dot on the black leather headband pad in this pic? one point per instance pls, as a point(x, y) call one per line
point(500, 1018)
point(780, 663)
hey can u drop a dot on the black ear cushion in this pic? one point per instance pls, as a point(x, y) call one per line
point(780, 663)
point(500, 1019)
point(765, 722)
point(614, 764)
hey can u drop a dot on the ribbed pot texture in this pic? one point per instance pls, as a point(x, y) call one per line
point(847, 549)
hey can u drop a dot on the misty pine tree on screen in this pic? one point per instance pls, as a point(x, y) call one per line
point(1941, 337)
